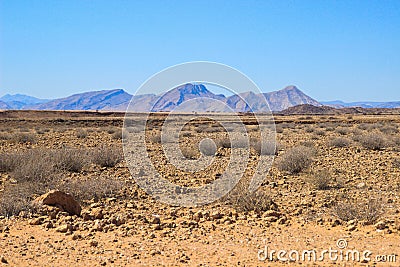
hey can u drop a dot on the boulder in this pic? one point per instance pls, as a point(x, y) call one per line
point(61, 200)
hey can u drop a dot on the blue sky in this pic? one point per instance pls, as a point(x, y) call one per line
point(348, 50)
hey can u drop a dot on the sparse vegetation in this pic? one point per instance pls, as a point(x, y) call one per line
point(244, 200)
point(70, 159)
point(81, 133)
point(340, 142)
point(24, 138)
point(296, 159)
point(320, 180)
point(92, 188)
point(189, 152)
point(266, 148)
point(106, 156)
point(351, 209)
point(374, 141)
point(17, 198)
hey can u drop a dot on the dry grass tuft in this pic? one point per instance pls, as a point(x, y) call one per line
point(340, 142)
point(350, 209)
point(373, 141)
point(296, 159)
point(107, 156)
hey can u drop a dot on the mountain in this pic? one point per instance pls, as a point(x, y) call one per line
point(288, 97)
point(201, 99)
point(185, 98)
point(365, 104)
point(277, 100)
point(4, 105)
point(96, 100)
point(19, 101)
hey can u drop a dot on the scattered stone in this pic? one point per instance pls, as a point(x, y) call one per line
point(335, 223)
point(35, 221)
point(271, 213)
point(97, 213)
point(381, 225)
point(63, 228)
point(59, 199)
point(351, 227)
point(93, 243)
point(270, 219)
point(216, 215)
point(3, 260)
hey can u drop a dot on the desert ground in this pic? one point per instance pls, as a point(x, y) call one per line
point(333, 188)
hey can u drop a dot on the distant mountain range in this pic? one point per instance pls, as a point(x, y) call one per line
point(187, 98)
point(366, 104)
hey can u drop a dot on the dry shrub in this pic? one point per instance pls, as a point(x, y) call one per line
point(117, 135)
point(70, 159)
point(353, 209)
point(364, 126)
point(340, 142)
point(342, 130)
point(186, 134)
point(279, 129)
point(320, 132)
point(35, 166)
point(396, 163)
point(111, 130)
point(225, 142)
point(5, 136)
point(321, 180)
point(107, 156)
point(92, 188)
point(156, 138)
point(81, 133)
point(244, 200)
point(189, 152)
point(389, 129)
point(9, 161)
point(17, 198)
point(265, 148)
point(296, 159)
point(309, 129)
point(24, 138)
point(374, 141)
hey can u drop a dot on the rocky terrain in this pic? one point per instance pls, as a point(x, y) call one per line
point(68, 198)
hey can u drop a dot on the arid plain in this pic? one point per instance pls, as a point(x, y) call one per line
point(334, 185)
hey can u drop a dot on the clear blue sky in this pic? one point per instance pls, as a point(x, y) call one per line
point(348, 50)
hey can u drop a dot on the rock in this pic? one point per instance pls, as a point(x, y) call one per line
point(155, 220)
point(49, 225)
point(93, 243)
point(3, 260)
point(381, 225)
point(352, 222)
point(335, 223)
point(351, 227)
point(35, 221)
point(270, 213)
point(361, 185)
point(216, 215)
point(270, 219)
point(97, 213)
point(59, 199)
point(63, 228)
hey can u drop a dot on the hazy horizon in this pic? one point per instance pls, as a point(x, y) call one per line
point(331, 50)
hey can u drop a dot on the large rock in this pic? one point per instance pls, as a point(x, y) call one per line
point(61, 200)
